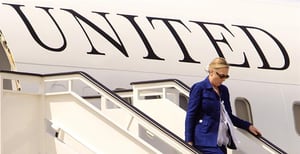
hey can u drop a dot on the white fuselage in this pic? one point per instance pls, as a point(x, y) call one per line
point(119, 42)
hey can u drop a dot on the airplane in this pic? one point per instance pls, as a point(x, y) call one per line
point(119, 42)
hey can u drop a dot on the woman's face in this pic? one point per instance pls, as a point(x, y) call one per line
point(218, 76)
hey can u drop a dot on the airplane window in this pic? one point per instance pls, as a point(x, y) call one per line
point(296, 110)
point(183, 101)
point(243, 109)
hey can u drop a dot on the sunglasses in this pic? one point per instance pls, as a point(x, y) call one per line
point(222, 76)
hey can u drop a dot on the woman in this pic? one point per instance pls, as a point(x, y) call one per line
point(209, 119)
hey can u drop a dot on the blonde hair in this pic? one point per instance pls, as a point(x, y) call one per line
point(218, 63)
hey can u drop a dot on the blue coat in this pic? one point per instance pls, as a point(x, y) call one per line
point(203, 114)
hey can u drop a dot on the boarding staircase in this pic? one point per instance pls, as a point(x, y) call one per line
point(46, 114)
point(74, 113)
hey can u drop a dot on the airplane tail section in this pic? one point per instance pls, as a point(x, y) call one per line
point(7, 62)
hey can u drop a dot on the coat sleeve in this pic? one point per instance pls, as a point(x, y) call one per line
point(193, 112)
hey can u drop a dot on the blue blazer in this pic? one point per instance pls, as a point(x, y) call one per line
point(203, 114)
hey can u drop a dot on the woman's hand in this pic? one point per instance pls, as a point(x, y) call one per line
point(254, 130)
